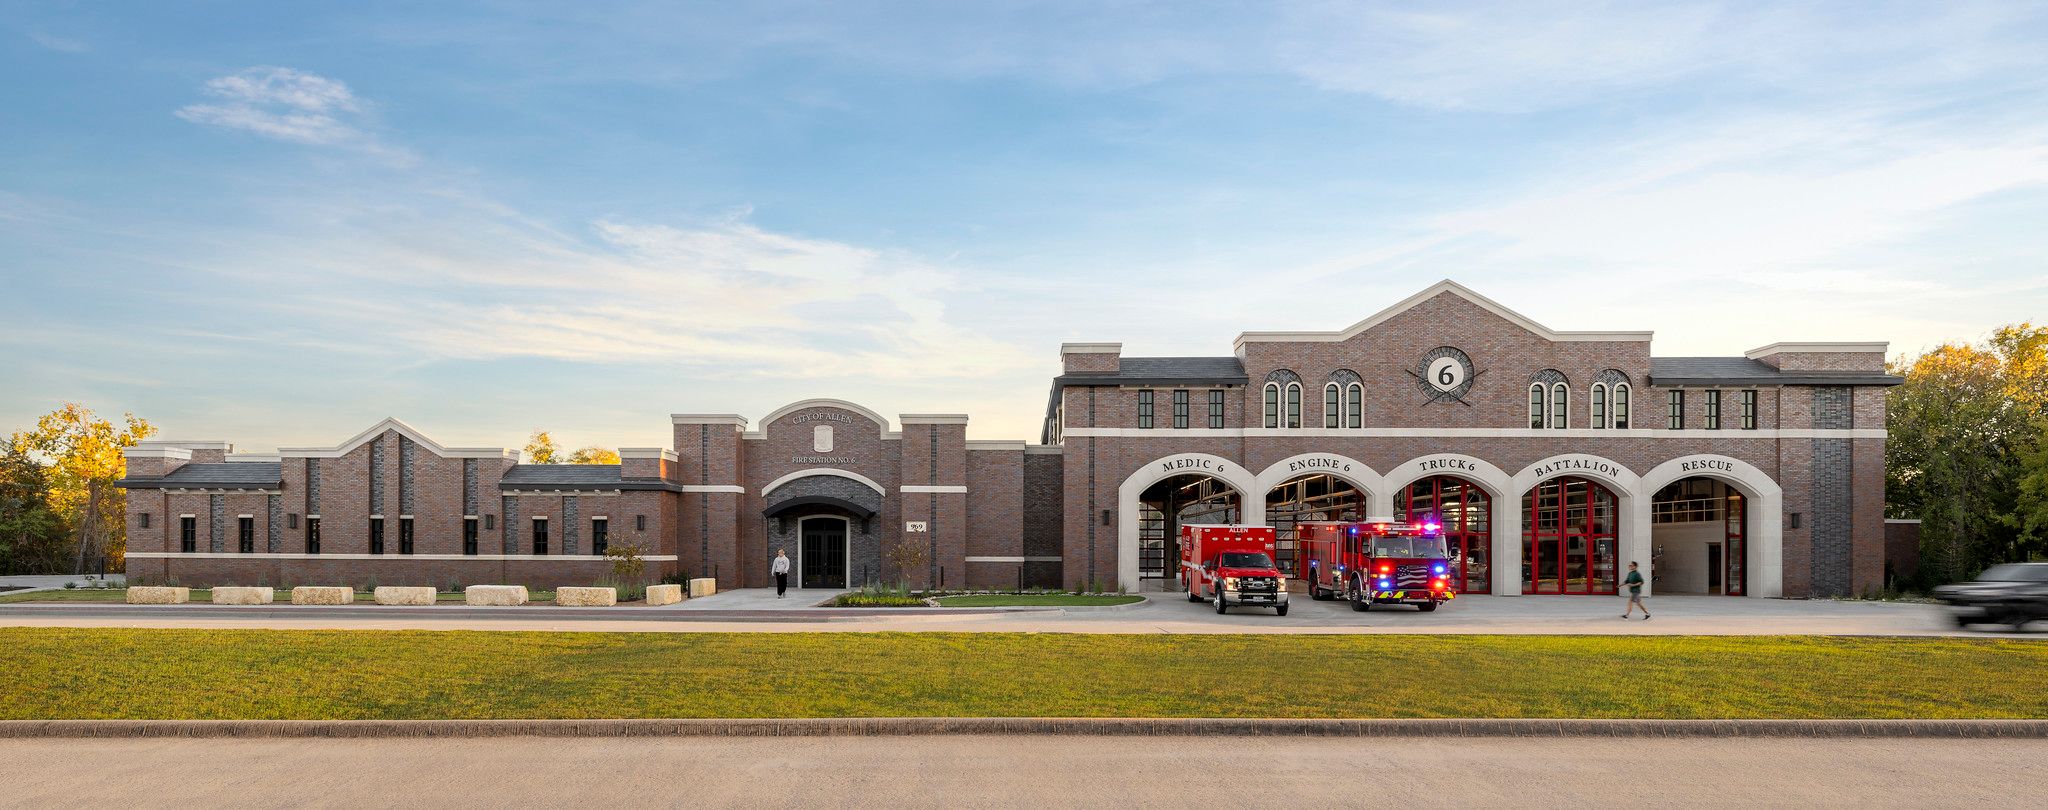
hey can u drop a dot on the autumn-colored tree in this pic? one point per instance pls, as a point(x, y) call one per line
point(82, 454)
point(540, 448)
point(1966, 452)
point(594, 455)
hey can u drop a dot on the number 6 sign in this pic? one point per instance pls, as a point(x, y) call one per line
point(1445, 374)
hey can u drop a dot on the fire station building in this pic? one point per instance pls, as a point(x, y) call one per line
point(1552, 459)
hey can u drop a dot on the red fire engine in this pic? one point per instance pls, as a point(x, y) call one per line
point(1375, 563)
point(1231, 565)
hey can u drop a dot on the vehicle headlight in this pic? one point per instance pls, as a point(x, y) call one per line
point(1230, 583)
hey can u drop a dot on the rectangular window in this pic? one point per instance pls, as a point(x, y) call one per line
point(145, 520)
point(490, 523)
point(1145, 409)
point(600, 535)
point(312, 534)
point(1675, 415)
point(376, 535)
point(640, 523)
point(1749, 410)
point(1333, 407)
point(245, 535)
point(469, 536)
point(1713, 410)
point(291, 521)
point(1216, 409)
point(188, 534)
point(540, 537)
point(1180, 409)
point(405, 535)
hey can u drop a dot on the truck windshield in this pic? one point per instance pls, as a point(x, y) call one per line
point(1245, 560)
point(1408, 547)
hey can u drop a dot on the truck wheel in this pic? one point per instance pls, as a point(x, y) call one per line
point(1281, 610)
point(1427, 607)
point(1355, 596)
point(1962, 620)
point(1221, 607)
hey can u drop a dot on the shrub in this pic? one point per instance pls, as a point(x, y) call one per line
point(70, 586)
point(879, 596)
point(628, 570)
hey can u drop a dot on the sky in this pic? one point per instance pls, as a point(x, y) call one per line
point(275, 224)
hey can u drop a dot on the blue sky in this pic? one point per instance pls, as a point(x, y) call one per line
point(272, 224)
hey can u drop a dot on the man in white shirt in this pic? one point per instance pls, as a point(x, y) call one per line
point(781, 569)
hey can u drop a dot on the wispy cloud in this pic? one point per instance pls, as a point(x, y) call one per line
point(290, 105)
point(57, 43)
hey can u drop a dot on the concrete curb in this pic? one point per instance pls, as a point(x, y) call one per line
point(924, 726)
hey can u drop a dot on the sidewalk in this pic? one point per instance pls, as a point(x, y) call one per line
point(758, 599)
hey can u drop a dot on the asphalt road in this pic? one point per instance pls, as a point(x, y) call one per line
point(969, 771)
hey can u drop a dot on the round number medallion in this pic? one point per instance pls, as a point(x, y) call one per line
point(1446, 374)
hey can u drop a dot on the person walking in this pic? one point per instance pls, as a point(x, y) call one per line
point(781, 569)
point(1635, 593)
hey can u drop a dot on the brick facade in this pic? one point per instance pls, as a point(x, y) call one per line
point(1800, 437)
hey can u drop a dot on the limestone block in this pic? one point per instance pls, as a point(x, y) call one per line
point(703, 586)
point(494, 594)
point(401, 595)
point(323, 595)
point(158, 595)
point(664, 594)
point(239, 595)
point(587, 597)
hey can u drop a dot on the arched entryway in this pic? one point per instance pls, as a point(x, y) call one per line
point(1710, 498)
point(825, 521)
point(1466, 513)
point(1571, 537)
point(1171, 485)
point(1170, 504)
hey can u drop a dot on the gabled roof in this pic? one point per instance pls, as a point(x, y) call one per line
point(214, 475)
point(408, 431)
point(1446, 286)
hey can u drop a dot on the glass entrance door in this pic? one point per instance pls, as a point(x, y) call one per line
point(823, 553)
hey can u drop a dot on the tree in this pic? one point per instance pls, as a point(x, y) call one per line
point(1965, 452)
point(540, 448)
point(83, 457)
point(32, 536)
point(594, 455)
point(910, 558)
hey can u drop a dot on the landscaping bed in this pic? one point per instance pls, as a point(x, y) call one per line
point(1039, 600)
point(203, 595)
point(374, 674)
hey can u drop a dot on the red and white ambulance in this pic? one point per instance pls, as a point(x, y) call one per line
point(1231, 566)
point(1375, 563)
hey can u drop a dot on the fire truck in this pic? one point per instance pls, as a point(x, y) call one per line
point(1376, 563)
point(1231, 566)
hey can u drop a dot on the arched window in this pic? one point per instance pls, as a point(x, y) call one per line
point(1272, 405)
point(1354, 406)
point(1614, 385)
point(1548, 400)
point(1333, 406)
point(1597, 417)
point(1283, 399)
point(1537, 418)
point(1294, 405)
point(1560, 406)
point(1343, 400)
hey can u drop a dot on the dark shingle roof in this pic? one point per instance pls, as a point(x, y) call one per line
point(576, 476)
point(1164, 371)
point(1744, 371)
point(215, 475)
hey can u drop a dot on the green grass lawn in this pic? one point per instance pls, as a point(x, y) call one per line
point(1037, 600)
point(318, 674)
